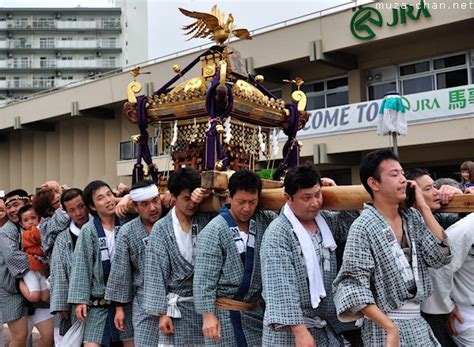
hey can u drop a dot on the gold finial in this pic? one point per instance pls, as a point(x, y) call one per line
point(259, 78)
point(176, 68)
point(135, 72)
point(298, 81)
point(213, 25)
point(135, 138)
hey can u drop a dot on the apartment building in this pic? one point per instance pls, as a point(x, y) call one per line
point(45, 48)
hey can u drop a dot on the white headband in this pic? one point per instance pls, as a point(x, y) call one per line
point(145, 193)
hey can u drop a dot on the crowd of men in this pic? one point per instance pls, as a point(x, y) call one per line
point(171, 275)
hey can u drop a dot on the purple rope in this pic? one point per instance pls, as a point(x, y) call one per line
point(213, 143)
point(291, 150)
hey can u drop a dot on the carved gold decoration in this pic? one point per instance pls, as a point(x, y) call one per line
point(209, 70)
point(213, 25)
point(220, 128)
point(299, 97)
point(135, 138)
point(259, 78)
point(246, 89)
point(219, 165)
point(194, 84)
point(187, 89)
point(222, 72)
point(176, 68)
point(133, 88)
point(135, 72)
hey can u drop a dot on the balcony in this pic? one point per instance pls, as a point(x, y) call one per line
point(77, 25)
point(52, 24)
point(34, 84)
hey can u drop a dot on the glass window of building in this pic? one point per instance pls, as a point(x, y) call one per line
point(327, 93)
point(421, 76)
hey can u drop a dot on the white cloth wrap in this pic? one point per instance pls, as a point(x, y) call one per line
point(410, 310)
point(173, 310)
point(311, 258)
point(145, 193)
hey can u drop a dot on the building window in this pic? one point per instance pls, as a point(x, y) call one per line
point(377, 91)
point(421, 76)
point(46, 42)
point(126, 150)
point(110, 23)
point(327, 93)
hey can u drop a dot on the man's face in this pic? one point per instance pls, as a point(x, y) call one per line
point(149, 210)
point(243, 205)
point(104, 201)
point(392, 185)
point(184, 204)
point(306, 202)
point(29, 219)
point(430, 193)
point(12, 209)
point(77, 211)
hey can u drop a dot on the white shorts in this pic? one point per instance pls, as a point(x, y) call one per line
point(41, 315)
point(35, 281)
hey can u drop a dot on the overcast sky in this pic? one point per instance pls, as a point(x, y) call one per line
point(165, 21)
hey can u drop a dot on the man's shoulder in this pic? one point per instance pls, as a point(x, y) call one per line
point(266, 215)
point(216, 227)
point(9, 226)
point(130, 226)
point(278, 227)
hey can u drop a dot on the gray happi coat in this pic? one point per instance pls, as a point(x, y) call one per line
point(126, 280)
point(87, 279)
point(13, 264)
point(50, 228)
point(371, 274)
point(286, 287)
point(219, 271)
point(61, 262)
point(166, 271)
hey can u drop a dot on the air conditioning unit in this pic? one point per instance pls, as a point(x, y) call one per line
point(58, 73)
point(91, 73)
point(58, 16)
point(10, 55)
point(9, 35)
point(98, 54)
point(9, 16)
point(58, 54)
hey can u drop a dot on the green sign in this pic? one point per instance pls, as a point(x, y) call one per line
point(365, 19)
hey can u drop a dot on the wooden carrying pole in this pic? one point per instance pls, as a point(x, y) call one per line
point(334, 198)
point(337, 199)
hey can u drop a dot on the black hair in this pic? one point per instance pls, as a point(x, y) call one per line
point(70, 194)
point(20, 192)
point(303, 176)
point(245, 180)
point(370, 166)
point(89, 190)
point(184, 178)
point(413, 174)
point(23, 210)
